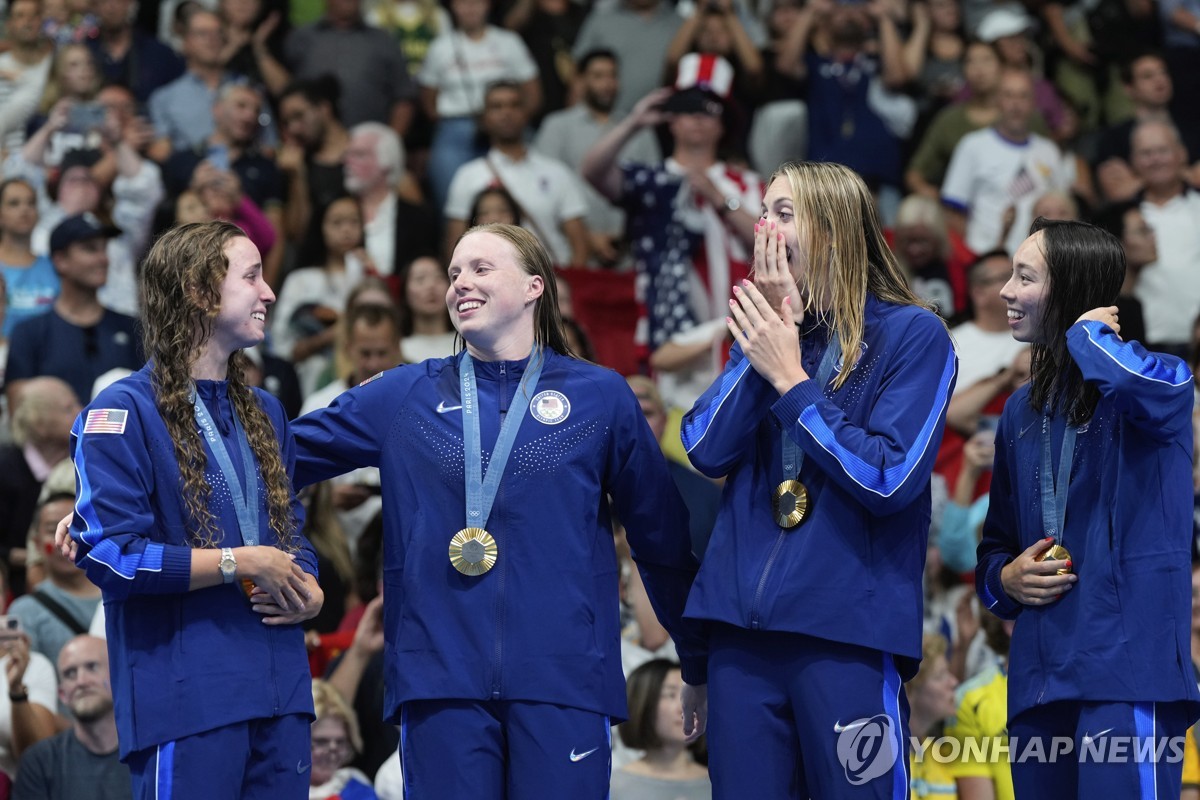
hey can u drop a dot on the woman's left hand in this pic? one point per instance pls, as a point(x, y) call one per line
point(262, 602)
point(695, 710)
point(768, 338)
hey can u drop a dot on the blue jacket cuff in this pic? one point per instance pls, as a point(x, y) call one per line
point(788, 407)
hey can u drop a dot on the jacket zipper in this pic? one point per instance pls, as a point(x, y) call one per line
point(755, 619)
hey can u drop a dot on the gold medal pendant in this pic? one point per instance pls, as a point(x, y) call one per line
point(1056, 553)
point(790, 503)
point(473, 551)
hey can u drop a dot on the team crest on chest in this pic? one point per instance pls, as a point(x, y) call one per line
point(550, 407)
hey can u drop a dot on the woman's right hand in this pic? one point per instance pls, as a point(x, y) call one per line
point(62, 537)
point(772, 275)
point(1036, 583)
point(274, 572)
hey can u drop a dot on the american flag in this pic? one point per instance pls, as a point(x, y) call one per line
point(105, 420)
point(1022, 184)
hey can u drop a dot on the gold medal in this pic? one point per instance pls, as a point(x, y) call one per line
point(1056, 553)
point(790, 503)
point(473, 551)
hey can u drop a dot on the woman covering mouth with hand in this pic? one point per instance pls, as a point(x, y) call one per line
point(826, 422)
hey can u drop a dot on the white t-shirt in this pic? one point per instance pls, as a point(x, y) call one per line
point(548, 192)
point(461, 69)
point(981, 354)
point(1170, 287)
point(379, 236)
point(989, 173)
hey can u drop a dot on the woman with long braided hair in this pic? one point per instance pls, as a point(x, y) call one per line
point(187, 520)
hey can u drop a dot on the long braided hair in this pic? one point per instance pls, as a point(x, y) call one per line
point(181, 284)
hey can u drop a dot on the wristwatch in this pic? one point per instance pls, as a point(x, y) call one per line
point(732, 204)
point(227, 565)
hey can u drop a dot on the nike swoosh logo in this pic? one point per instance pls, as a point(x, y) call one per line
point(1025, 430)
point(442, 408)
point(301, 767)
point(838, 727)
point(581, 756)
point(1088, 738)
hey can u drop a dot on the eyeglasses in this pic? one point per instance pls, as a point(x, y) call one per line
point(333, 746)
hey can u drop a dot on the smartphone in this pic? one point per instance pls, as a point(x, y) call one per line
point(10, 627)
point(85, 117)
point(988, 422)
point(218, 156)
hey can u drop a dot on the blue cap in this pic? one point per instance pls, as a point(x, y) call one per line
point(78, 228)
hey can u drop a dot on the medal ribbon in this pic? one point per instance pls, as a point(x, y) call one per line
point(481, 491)
point(245, 503)
point(1054, 492)
point(793, 456)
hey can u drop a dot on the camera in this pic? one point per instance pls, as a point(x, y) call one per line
point(85, 117)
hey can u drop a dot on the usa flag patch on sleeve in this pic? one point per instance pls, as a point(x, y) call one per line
point(105, 420)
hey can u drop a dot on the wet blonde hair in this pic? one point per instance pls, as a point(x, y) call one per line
point(847, 255)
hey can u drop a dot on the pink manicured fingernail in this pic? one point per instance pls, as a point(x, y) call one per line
point(729, 320)
point(745, 283)
point(736, 290)
point(731, 302)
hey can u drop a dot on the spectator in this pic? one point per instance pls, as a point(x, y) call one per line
point(982, 716)
point(311, 160)
point(494, 204)
point(934, 55)
point(931, 703)
point(549, 194)
point(460, 65)
point(567, 135)
point(313, 299)
point(397, 230)
point(358, 674)
point(1170, 287)
point(367, 62)
point(129, 56)
point(24, 67)
point(370, 340)
point(715, 27)
point(996, 174)
point(701, 495)
point(922, 246)
point(639, 33)
point(219, 195)
point(1010, 29)
point(425, 328)
point(335, 743)
point(29, 699)
point(549, 29)
point(61, 606)
point(253, 42)
point(981, 73)
point(182, 109)
point(1148, 84)
point(779, 129)
point(42, 417)
point(335, 564)
point(235, 146)
point(691, 221)
point(30, 281)
point(669, 766)
point(962, 519)
point(78, 339)
point(984, 342)
point(68, 118)
point(1126, 222)
point(81, 761)
point(1180, 20)
point(412, 23)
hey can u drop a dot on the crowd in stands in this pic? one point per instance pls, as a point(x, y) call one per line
point(355, 140)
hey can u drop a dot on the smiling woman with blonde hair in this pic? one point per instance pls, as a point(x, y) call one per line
point(825, 422)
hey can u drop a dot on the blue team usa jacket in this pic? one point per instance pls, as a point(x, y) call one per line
point(851, 572)
point(1121, 633)
point(543, 624)
point(181, 662)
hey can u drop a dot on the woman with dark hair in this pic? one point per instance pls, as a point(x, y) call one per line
point(815, 628)
point(1088, 536)
point(425, 329)
point(30, 281)
point(500, 593)
point(495, 205)
point(669, 766)
point(187, 521)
